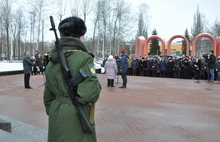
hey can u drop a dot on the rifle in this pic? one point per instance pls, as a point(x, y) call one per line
point(72, 83)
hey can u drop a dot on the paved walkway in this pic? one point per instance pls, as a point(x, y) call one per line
point(148, 110)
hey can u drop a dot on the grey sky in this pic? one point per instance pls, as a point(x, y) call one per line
point(170, 17)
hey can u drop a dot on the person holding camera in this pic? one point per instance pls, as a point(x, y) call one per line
point(211, 65)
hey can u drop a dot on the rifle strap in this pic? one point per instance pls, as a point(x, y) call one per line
point(70, 51)
point(63, 99)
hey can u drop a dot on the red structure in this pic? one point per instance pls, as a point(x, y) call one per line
point(178, 36)
point(141, 45)
point(218, 47)
point(204, 35)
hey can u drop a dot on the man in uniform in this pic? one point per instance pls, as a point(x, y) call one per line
point(64, 122)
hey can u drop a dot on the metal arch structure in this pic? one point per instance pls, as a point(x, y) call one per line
point(178, 36)
point(204, 35)
point(218, 47)
point(155, 37)
point(139, 47)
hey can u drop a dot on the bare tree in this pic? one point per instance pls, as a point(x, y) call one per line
point(215, 29)
point(143, 21)
point(76, 10)
point(62, 6)
point(6, 18)
point(198, 27)
point(39, 7)
point(121, 20)
point(21, 25)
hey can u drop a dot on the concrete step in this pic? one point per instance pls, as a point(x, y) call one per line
point(4, 125)
point(22, 132)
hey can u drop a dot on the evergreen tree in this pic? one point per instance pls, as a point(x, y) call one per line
point(154, 45)
point(183, 48)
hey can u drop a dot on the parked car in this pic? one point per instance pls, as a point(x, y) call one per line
point(98, 65)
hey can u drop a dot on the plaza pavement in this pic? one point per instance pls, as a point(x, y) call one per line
point(148, 110)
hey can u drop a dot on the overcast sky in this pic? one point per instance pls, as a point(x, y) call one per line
point(170, 17)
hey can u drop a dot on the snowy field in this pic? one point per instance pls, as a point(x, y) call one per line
point(10, 66)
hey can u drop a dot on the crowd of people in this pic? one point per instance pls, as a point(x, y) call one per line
point(206, 67)
point(40, 62)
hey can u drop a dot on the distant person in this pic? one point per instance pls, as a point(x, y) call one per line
point(27, 65)
point(218, 69)
point(40, 65)
point(111, 71)
point(124, 68)
point(212, 65)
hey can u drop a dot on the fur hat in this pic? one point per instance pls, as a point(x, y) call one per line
point(122, 51)
point(72, 26)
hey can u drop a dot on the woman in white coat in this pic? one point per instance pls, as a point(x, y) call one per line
point(111, 70)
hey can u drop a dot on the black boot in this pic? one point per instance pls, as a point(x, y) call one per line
point(112, 83)
point(108, 82)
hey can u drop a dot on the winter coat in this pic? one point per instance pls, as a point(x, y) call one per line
point(142, 65)
point(135, 64)
point(64, 122)
point(124, 63)
point(39, 62)
point(162, 65)
point(211, 62)
point(111, 68)
point(129, 63)
point(218, 66)
point(170, 66)
point(186, 69)
point(154, 65)
point(27, 64)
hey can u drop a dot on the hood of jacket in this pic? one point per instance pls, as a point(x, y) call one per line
point(125, 55)
point(67, 45)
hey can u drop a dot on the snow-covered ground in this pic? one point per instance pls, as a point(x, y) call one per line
point(10, 66)
point(17, 66)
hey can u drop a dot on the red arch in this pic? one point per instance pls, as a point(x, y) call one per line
point(178, 36)
point(218, 47)
point(155, 37)
point(139, 51)
point(203, 35)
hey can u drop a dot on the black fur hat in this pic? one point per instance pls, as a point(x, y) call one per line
point(72, 26)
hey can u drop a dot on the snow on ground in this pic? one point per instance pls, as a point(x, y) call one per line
point(10, 66)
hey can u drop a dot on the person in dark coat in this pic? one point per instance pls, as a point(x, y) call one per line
point(154, 67)
point(218, 70)
point(124, 68)
point(148, 67)
point(40, 65)
point(27, 65)
point(212, 65)
point(170, 69)
point(162, 67)
point(177, 67)
point(135, 63)
point(186, 69)
point(197, 66)
point(142, 66)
